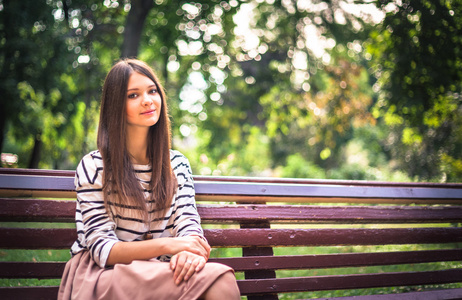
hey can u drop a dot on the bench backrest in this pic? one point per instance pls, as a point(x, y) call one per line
point(260, 216)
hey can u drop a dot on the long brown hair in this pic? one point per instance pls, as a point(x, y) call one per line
point(120, 183)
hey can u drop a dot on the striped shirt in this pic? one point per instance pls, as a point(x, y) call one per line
point(98, 230)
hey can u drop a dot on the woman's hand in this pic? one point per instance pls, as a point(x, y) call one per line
point(184, 264)
point(193, 244)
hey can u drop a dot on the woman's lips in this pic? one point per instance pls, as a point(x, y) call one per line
point(148, 112)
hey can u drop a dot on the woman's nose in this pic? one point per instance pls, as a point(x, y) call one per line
point(146, 100)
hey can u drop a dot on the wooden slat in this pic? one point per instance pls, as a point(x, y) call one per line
point(40, 270)
point(71, 173)
point(323, 191)
point(10, 193)
point(249, 287)
point(448, 294)
point(36, 182)
point(33, 210)
point(340, 282)
point(29, 185)
point(30, 292)
point(328, 214)
point(46, 270)
point(51, 292)
point(38, 172)
point(61, 238)
point(37, 238)
point(330, 237)
point(298, 262)
point(326, 181)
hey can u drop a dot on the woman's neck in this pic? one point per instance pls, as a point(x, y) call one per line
point(137, 146)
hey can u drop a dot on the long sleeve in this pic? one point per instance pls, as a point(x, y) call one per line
point(185, 219)
point(95, 229)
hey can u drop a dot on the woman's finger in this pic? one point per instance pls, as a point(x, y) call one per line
point(173, 261)
point(192, 267)
point(200, 264)
point(183, 266)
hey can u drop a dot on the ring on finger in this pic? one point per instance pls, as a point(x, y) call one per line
point(189, 261)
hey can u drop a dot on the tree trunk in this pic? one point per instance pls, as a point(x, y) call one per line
point(134, 26)
point(35, 156)
point(2, 125)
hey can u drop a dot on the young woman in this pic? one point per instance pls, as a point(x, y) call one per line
point(139, 234)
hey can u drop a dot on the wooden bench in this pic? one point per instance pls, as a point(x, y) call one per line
point(336, 232)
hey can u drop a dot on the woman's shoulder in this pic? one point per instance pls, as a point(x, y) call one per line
point(93, 157)
point(179, 162)
point(176, 155)
point(90, 163)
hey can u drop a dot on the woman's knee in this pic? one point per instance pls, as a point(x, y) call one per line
point(225, 287)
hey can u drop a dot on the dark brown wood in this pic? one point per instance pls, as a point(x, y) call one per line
point(331, 237)
point(41, 270)
point(44, 270)
point(37, 238)
point(340, 282)
point(33, 210)
point(452, 294)
point(328, 214)
point(256, 236)
point(61, 238)
point(297, 262)
point(258, 251)
point(250, 287)
point(32, 292)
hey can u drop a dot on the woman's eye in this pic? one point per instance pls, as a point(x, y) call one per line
point(131, 96)
point(153, 91)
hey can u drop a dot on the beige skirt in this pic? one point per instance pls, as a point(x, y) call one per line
point(84, 279)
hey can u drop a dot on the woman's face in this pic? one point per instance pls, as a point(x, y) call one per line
point(143, 103)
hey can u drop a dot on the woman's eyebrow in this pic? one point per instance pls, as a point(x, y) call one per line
point(136, 88)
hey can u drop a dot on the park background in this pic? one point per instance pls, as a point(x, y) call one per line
point(341, 89)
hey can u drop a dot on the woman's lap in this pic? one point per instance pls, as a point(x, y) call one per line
point(83, 279)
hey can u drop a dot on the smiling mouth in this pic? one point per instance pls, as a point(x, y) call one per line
point(148, 112)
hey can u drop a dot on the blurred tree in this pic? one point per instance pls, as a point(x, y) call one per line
point(135, 20)
point(250, 83)
point(416, 55)
point(54, 56)
point(188, 43)
point(32, 56)
point(281, 63)
point(95, 36)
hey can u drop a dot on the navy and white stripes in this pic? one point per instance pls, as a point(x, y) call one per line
point(98, 230)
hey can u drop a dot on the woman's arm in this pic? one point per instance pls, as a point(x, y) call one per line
point(95, 229)
point(185, 219)
point(126, 252)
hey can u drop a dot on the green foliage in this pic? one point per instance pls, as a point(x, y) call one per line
point(407, 47)
point(418, 88)
point(298, 167)
point(249, 157)
point(255, 87)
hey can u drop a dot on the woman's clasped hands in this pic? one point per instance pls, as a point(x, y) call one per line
point(191, 259)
